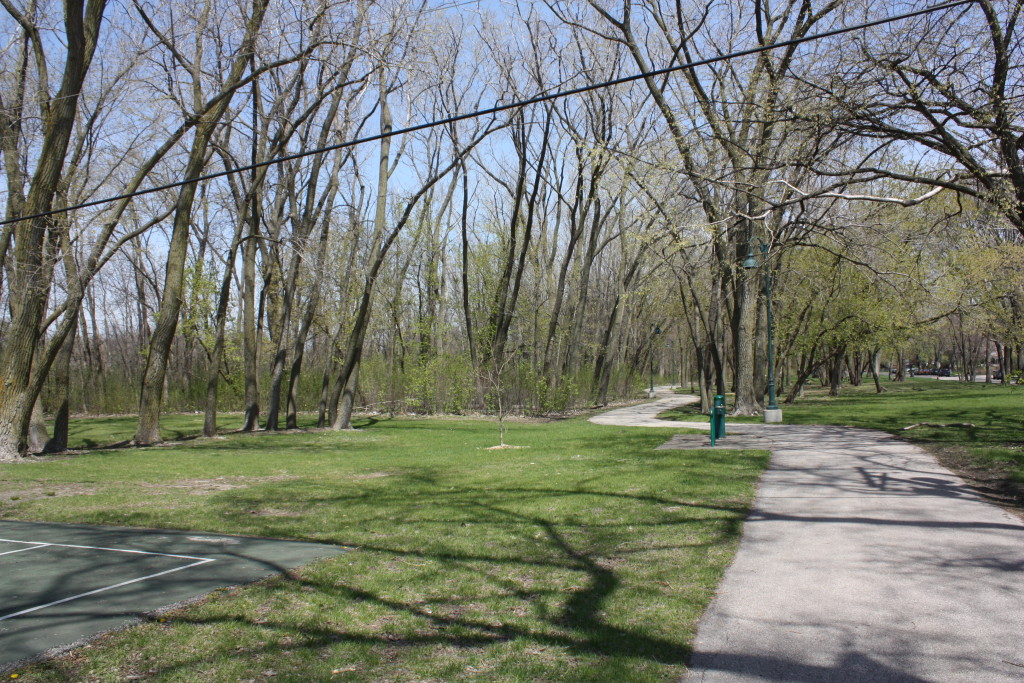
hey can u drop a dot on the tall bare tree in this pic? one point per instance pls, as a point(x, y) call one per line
point(34, 238)
point(151, 393)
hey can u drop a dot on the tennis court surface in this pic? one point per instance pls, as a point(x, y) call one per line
point(62, 583)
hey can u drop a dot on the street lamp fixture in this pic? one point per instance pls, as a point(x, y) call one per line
point(772, 412)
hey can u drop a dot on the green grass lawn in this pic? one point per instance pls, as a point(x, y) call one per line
point(992, 450)
point(585, 555)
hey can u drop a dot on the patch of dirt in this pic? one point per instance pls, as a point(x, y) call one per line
point(33, 457)
point(46, 491)
point(372, 475)
point(991, 483)
point(274, 512)
point(503, 447)
point(201, 487)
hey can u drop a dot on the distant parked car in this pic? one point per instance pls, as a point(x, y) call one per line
point(944, 372)
point(998, 375)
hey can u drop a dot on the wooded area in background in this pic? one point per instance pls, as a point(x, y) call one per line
point(538, 259)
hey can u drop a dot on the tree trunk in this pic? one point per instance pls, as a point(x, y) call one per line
point(38, 437)
point(30, 285)
point(747, 402)
point(349, 377)
point(250, 361)
point(703, 380)
point(62, 364)
point(299, 346)
point(62, 379)
point(580, 312)
point(380, 245)
point(466, 311)
point(281, 347)
point(331, 387)
point(577, 224)
point(608, 349)
point(151, 394)
point(500, 317)
point(835, 371)
point(605, 355)
point(212, 382)
point(876, 362)
point(808, 365)
point(761, 349)
point(854, 368)
point(298, 351)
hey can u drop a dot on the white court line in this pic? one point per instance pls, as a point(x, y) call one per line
point(107, 588)
point(21, 550)
point(94, 547)
point(36, 544)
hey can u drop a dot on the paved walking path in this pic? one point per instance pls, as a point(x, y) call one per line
point(645, 414)
point(862, 560)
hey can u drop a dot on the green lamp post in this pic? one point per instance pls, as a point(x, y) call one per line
point(772, 412)
point(657, 331)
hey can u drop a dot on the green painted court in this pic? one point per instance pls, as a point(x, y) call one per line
point(61, 584)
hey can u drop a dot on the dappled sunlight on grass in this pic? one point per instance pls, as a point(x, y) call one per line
point(584, 555)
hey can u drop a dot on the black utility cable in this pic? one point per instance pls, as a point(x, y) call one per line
point(504, 107)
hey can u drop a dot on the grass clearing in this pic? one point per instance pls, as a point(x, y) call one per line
point(991, 453)
point(586, 555)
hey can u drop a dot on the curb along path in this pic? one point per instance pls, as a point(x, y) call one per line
point(862, 560)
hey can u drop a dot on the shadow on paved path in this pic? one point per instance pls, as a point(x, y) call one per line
point(862, 560)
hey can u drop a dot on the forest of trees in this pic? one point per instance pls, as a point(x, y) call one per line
point(543, 257)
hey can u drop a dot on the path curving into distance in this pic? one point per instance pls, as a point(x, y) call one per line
point(645, 414)
point(862, 559)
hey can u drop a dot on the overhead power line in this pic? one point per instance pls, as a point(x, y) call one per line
point(497, 109)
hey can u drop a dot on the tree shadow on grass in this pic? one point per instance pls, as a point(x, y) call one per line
point(569, 615)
